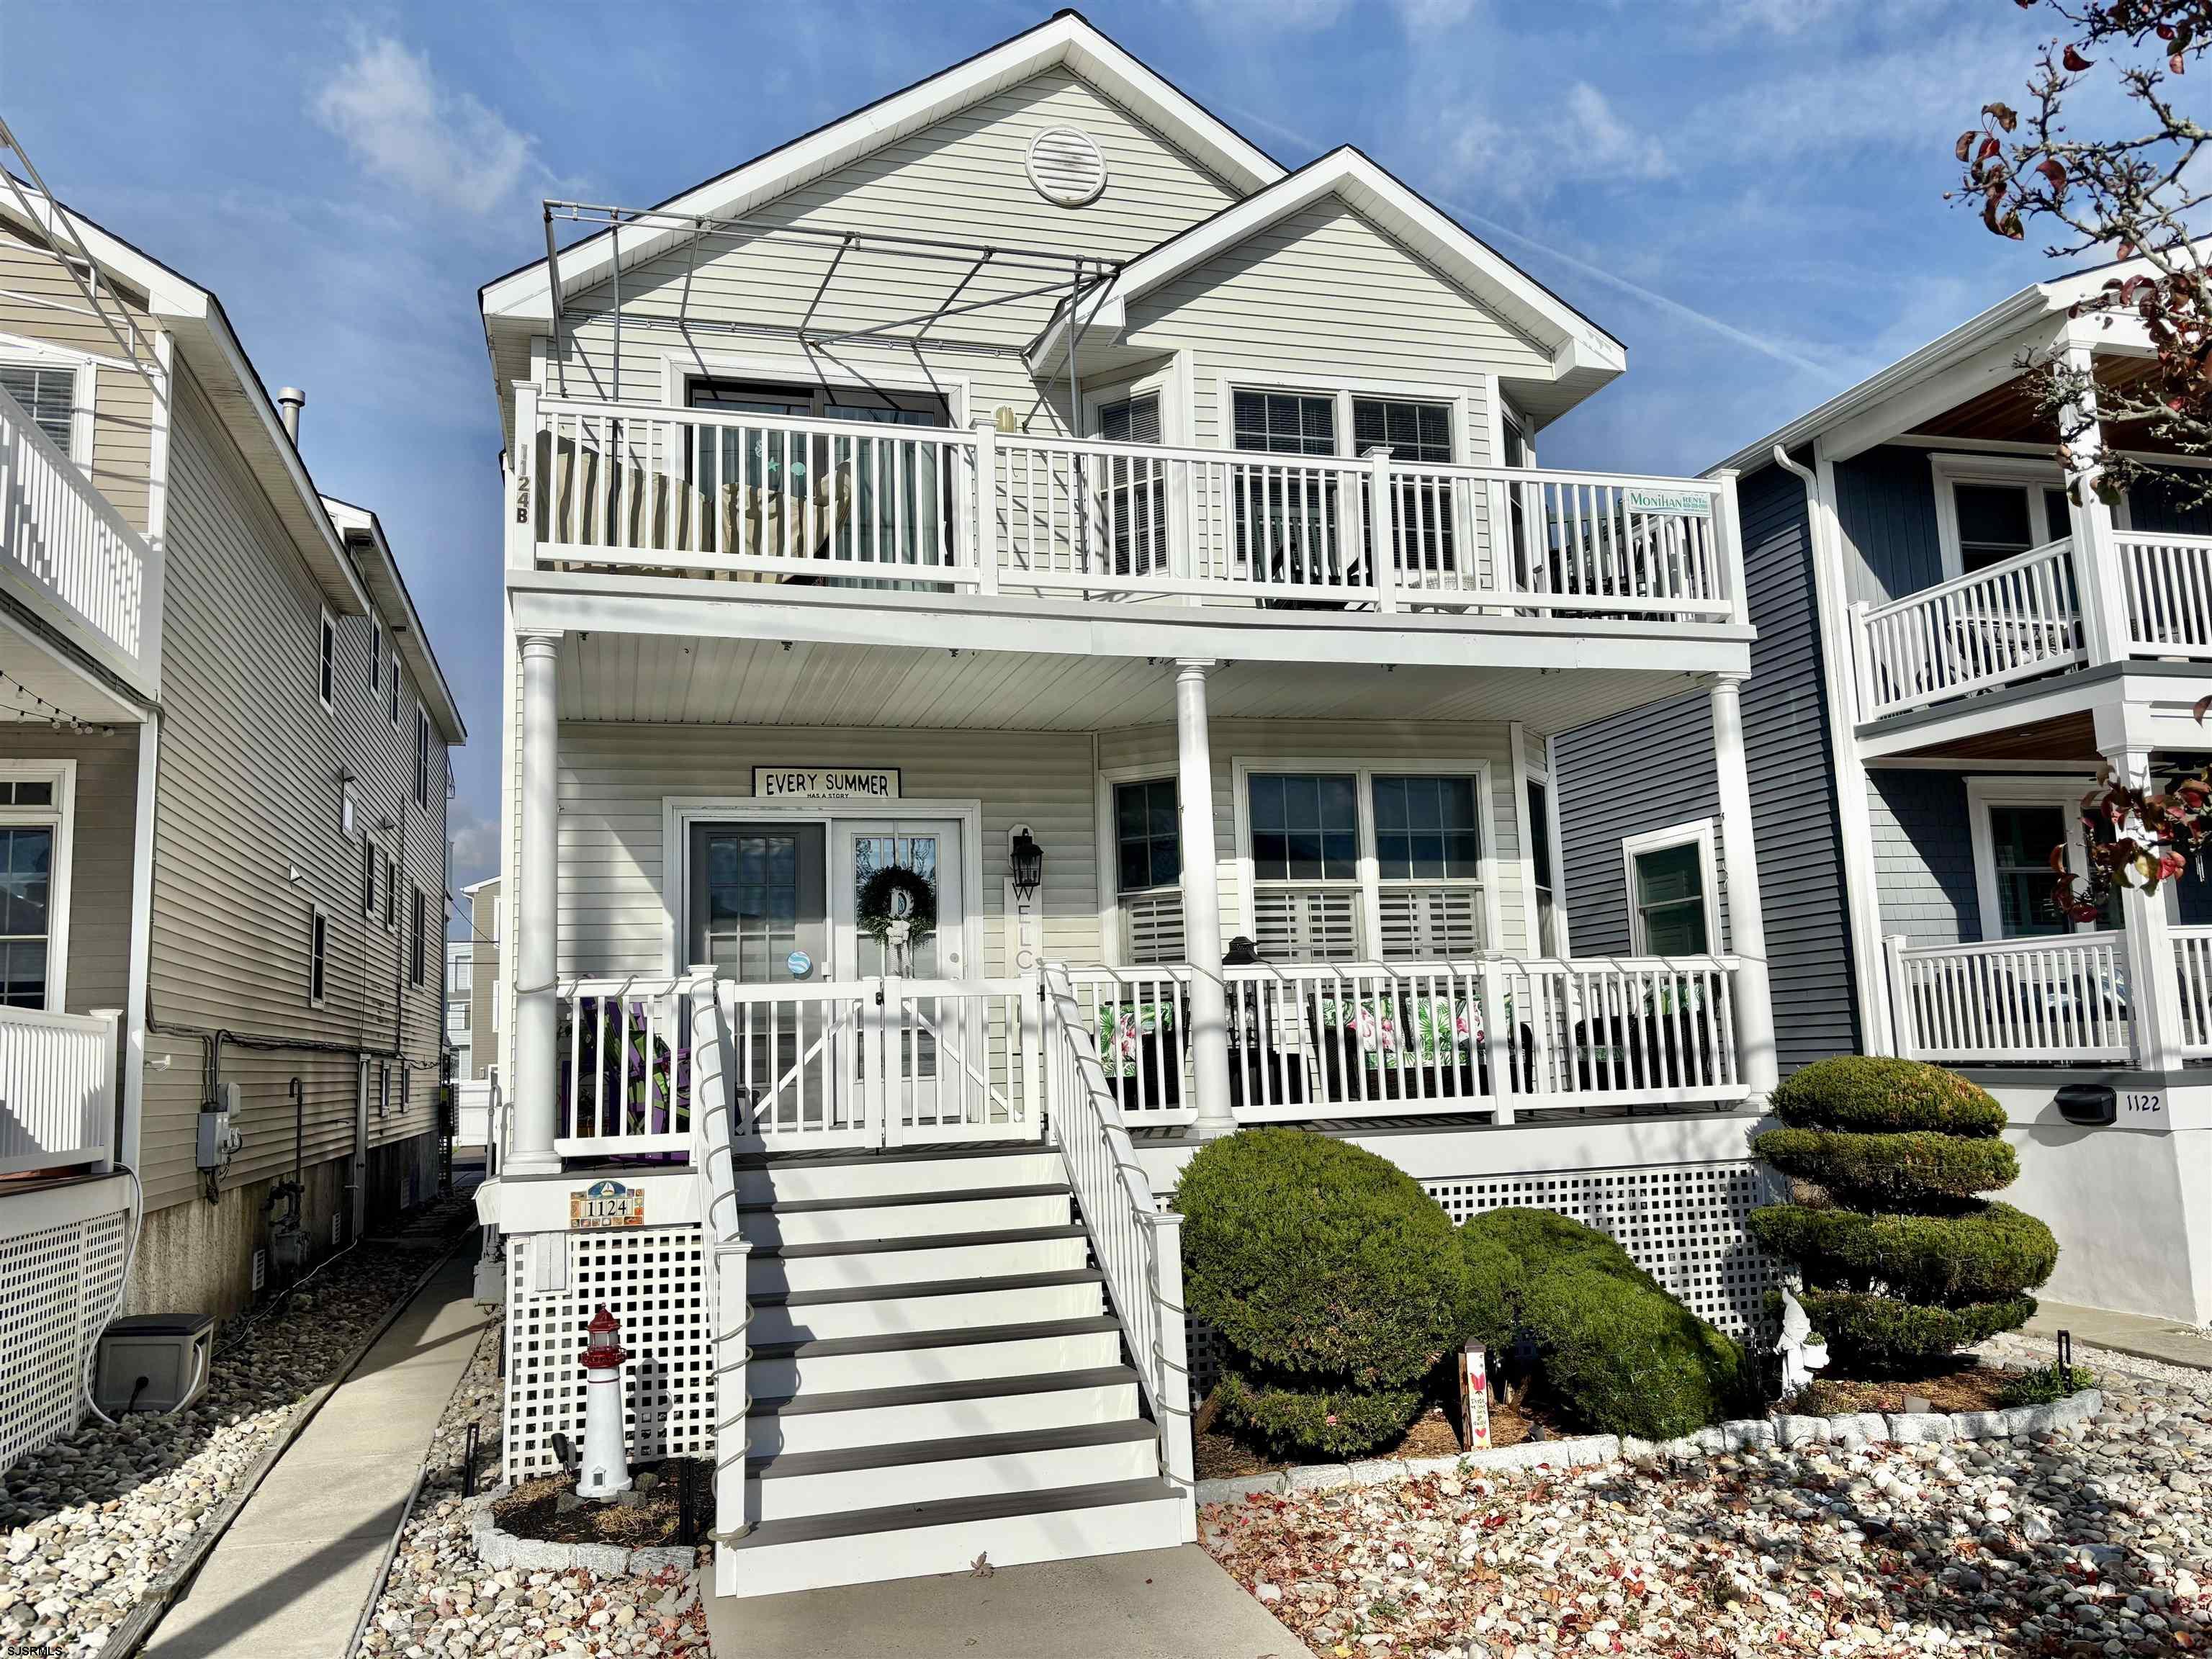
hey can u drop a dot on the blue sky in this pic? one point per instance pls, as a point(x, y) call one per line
point(1747, 192)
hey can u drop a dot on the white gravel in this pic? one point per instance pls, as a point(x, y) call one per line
point(2094, 1540)
point(97, 1519)
point(442, 1600)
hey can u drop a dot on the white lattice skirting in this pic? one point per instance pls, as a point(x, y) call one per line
point(55, 1286)
point(654, 1282)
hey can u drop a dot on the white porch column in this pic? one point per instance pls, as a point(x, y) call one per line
point(1746, 941)
point(2098, 579)
point(536, 912)
point(2153, 982)
point(1201, 902)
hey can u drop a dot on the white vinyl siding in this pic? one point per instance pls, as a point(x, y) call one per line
point(103, 805)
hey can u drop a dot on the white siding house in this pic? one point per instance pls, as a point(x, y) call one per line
point(969, 572)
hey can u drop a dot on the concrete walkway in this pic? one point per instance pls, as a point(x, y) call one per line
point(292, 1574)
point(2166, 1340)
point(1155, 1604)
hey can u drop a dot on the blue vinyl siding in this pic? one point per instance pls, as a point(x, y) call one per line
point(1885, 505)
point(2153, 506)
point(1924, 856)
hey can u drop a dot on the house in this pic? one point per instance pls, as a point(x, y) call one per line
point(1954, 640)
point(1037, 637)
point(459, 955)
point(223, 795)
point(484, 1004)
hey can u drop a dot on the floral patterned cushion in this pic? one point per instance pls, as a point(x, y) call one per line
point(1122, 1028)
point(1411, 1031)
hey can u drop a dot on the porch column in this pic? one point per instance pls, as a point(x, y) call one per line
point(1746, 941)
point(2099, 581)
point(1201, 902)
point(537, 914)
point(2154, 981)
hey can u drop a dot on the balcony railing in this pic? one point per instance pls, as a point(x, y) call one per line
point(2169, 594)
point(63, 540)
point(734, 497)
point(57, 1089)
point(2013, 1001)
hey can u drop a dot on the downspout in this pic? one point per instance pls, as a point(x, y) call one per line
point(138, 1014)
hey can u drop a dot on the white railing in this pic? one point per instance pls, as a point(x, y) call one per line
point(714, 1157)
point(1137, 1245)
point(2168, 580)
point(748, 497)
point(625, 1071)
point(2005, 622)
point(2006, 1002)
point(60, 536)
point(1397, 1039)
point(57, 1089)
point(2192, 966)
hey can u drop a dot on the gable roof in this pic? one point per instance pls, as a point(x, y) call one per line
point(379, 574)
point(1068, 40)
point(1577, 346)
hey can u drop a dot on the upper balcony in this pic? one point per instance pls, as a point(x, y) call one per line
point(72, 560)
point(716, 497)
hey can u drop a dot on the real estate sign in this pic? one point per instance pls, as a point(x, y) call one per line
point(1679, 503)
point(826, 782)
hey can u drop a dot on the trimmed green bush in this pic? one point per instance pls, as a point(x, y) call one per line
point(1898, 1171)
point(1329, 1275)
point(1616, 1349)
point(1873, 1095)
point(1901, 1261)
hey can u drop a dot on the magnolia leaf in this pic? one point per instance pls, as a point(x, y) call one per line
point(2002, 114)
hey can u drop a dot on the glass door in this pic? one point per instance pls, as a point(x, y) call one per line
point(912, 927)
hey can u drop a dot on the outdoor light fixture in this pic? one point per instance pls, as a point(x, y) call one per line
point(605, 1468)
point(1024, 863)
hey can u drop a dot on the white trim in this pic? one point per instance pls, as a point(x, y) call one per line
point(61, 817)
point(1698, 832)
point(679, 368)
point(142, 939)
point(319, 921)
point(1344, 389)
point(2033, 476)
point(679, 813)
point(2063, 792)
point(1561, 934)
point(1369, 881)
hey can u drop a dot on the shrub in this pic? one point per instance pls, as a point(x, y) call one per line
point(1900, 1260)
point(1329, 1275)
point(1874, 1094)
point(2047, 1385)
point(1617, 1349)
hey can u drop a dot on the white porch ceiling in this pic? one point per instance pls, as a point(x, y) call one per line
point(621, 677)
point(46, 676)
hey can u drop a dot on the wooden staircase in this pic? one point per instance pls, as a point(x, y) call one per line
point(934, 1375)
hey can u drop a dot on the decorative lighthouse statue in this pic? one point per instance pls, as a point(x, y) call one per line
point(605, 1468)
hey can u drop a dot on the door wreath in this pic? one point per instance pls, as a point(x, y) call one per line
point(896, 894)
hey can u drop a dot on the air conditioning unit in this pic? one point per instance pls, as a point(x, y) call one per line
point(154, 1362)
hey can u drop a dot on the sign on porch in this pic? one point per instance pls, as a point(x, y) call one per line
point(606, 1204)
point(826, 782)
point(1687, 502)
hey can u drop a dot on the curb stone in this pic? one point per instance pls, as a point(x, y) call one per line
point(1852, 1431)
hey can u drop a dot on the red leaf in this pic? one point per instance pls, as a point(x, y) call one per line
point(2002, 114)
point(1964, 147)
point(2075, 61)
point(2057, 175)
point(2177, 63)
point(1990, 147)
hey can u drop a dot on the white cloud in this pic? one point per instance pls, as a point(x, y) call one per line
point(1291, 16)
point(404, 127)
point(1590, 143)
point(475, 844)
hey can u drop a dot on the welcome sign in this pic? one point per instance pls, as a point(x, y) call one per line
point(826, 782)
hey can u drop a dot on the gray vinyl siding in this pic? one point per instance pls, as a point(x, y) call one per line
point(1886, 506)
point(103, 814)
point(1924, 856)
point(482, 918)
point(248, 791)
point(1654, 767)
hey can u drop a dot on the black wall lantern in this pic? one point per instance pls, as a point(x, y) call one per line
point(1024, 863)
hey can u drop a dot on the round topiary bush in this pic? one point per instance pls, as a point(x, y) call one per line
point(1333, 1280)
point(1616, 1349)
point(1901, 1260)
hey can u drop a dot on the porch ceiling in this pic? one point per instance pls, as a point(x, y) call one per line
point(671, 678)
point(46, 682)
point(2007, 412)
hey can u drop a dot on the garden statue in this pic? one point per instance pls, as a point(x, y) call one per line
point(1802, 1352)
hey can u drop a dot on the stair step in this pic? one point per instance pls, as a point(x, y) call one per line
point(946, 1536)
point(880, 1175)
point(905, 1215)
point(811, 1206)
point(939, 1411)
point(878, 1261)
point(792, 1484)
point(939, 1304)
point(886, 1360)
point(898, 1341)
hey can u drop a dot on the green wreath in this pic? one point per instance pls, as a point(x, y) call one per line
point(876, 909)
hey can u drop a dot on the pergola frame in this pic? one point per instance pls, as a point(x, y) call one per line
point(1075, 277)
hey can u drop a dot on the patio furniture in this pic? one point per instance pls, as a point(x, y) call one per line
point(1140, 1045)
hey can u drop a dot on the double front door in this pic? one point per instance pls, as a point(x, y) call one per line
point(821, 1055)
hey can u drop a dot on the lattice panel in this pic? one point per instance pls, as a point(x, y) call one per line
point(55, 1287)
point(653, 1280)
point(1684, 1225)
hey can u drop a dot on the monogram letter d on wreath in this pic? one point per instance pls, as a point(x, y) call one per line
point(897, 908)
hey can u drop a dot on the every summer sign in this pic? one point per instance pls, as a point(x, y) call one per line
point(826, 782)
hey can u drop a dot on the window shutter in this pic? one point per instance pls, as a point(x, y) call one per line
point(1313, 924)
point(1155, 927)
point(1429, 923)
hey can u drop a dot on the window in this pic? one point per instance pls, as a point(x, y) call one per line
point(1422, 508)
point(367, 877)
point(1673, 890)
point(1286, 517)
point(383, 1088)
point(1538, 801)
point(1135, 499)
point(1428, 862)
point(417, 953)
point(35, 800)
point(422, 755)
point(48, 392)
point(1148, 870)
point(375, 651)
point(327, 665)
point(390, 894)
point(318, 944)
point(1305, 864)
point(1990, 508)
point(2016, 823)
point(392, 695)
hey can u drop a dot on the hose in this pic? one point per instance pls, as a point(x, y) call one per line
point(122, 1284)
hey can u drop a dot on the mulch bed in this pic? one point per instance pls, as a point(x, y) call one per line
point(1222, 1454)
point(1965, 1387)
point(533, 1509)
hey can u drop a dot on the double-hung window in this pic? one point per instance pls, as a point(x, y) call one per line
point(1305, 864)
point(1287, 516)
point(1428, 866)
point(48, 392)
point(1673, 890)
point(1148, 870)
point(1134, 501)
point(1539, 800)
point(1990, 508)
point(327, 664)
point(1421, 508)
point(418, 953)
point(2016, 824)
point(317, 955)
point(367, 877)
point(33, 884)
point(422, 755)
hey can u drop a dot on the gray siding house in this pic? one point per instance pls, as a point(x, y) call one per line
point(1954, 639)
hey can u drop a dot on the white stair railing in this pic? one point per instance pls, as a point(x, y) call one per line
point(1138, 1246)
point(713, 1159)
point(2007, 622)
point(2012, 1002)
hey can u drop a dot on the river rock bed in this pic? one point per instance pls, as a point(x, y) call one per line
point(95, 1520)
point(2092, 1539)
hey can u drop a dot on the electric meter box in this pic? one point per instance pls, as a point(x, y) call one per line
point(154, 1362)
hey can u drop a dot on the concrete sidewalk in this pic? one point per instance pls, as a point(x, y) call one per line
point(2166, 1340)
point(1154, 1604)
point(292, 1574)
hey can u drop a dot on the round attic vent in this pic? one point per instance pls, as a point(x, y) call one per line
point(1065, 166)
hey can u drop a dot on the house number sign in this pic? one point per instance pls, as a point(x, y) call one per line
point(826, 782)
point(606, 1204)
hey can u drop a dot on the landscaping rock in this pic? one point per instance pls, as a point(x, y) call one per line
point(1918, 1428)
point(1801, 1430)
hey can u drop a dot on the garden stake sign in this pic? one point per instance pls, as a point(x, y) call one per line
point(1473, 1398)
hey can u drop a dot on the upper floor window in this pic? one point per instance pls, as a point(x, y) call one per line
point(1285, 423)
point(375, 652)
point(1413, 431)
point(391, 892)
point(392, 696)
point(317, 949)
point(1989, 508)
point(1422, 508)
point(367, 877)
point(1136, 495)
point(417, 927)
point(48, 392)
point(1673, 890)
point(326, 669)
point(1148, 870)
point(422, 755)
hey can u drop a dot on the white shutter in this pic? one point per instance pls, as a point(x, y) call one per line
point(1314, 924)
point(1432, 923)
point(1154, 923)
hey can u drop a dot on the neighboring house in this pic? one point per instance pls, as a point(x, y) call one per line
point(223, 798)
point(459, 955)
point(483, 1010)
point(1950, 647)
point(964, 569)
